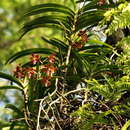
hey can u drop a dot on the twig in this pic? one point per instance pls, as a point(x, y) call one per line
point(38, 117)
point(54, 114)
point(26, 111)
point(70, 92)
point(46, 114)
point(19, 119)
point(41, 105)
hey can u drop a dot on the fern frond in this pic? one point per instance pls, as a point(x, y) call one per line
point(119, 21)
point(117, 18)
point(125, 45)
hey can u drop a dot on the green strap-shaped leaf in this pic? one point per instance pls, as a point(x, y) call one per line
point(3, 125)
point(10, 87)
point(15, 109)
point(50, 7)
point(87, 22)
point(57, 43)
point(11, 78)
point(99, 42)
point(28, 52)
point(90, 14)
point(92, 47)
point(94, 5)
point(53, 21)
point(86, 54)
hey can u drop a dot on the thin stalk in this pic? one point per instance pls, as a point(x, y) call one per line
point(26, 111)
point(68, 55)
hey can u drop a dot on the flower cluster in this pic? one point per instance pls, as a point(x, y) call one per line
point(48, 70)
point(19, 72)
point(77, 45)
point(45, 72)
point(83, 39)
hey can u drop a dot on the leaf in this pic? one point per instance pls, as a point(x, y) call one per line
point(96, 119)
point(84, 54)
point(10, 87)
point(50, 7)
point(93, 5)
point(12, 126)
point(126, 125)
point(93, 47)
point(15, 109)
point(99, 42)
point(74, 4)
point(3, 125)
point(11, 78)
point(57, 43)
point(61, 22)
point(28, 52)
point(87, 23)
point(90, 14)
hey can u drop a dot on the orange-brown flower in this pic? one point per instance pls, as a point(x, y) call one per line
point(30, 72)
point(84, 38)
point(77, 45)
point(83, 35)
point(81, 32)
point(49, 69)
point(45, 81)
point(35, 58)
point(19, 72)
point(51, 58)
point(44, 69)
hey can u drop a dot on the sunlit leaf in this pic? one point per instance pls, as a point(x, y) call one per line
point(11, 78)
point(126, 125)
point(10, 87)
point(15, 109)
point(57, 43)
point(53, 21)
point(50, 7)
point(99, 42)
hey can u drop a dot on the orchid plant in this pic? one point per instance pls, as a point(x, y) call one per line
point(57, 83)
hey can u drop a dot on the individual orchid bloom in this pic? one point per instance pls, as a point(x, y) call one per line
point(35, 58)
point(51, 58)
point(52, 69)
point(84, 38)
point(19, 72)
point(31, 72)
point(49, 73)
point(49, 69)
point(45, 81)
point(77, 45)
point(19, 68)
point(83, 35)
point(44, 69)
point(19, 75)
